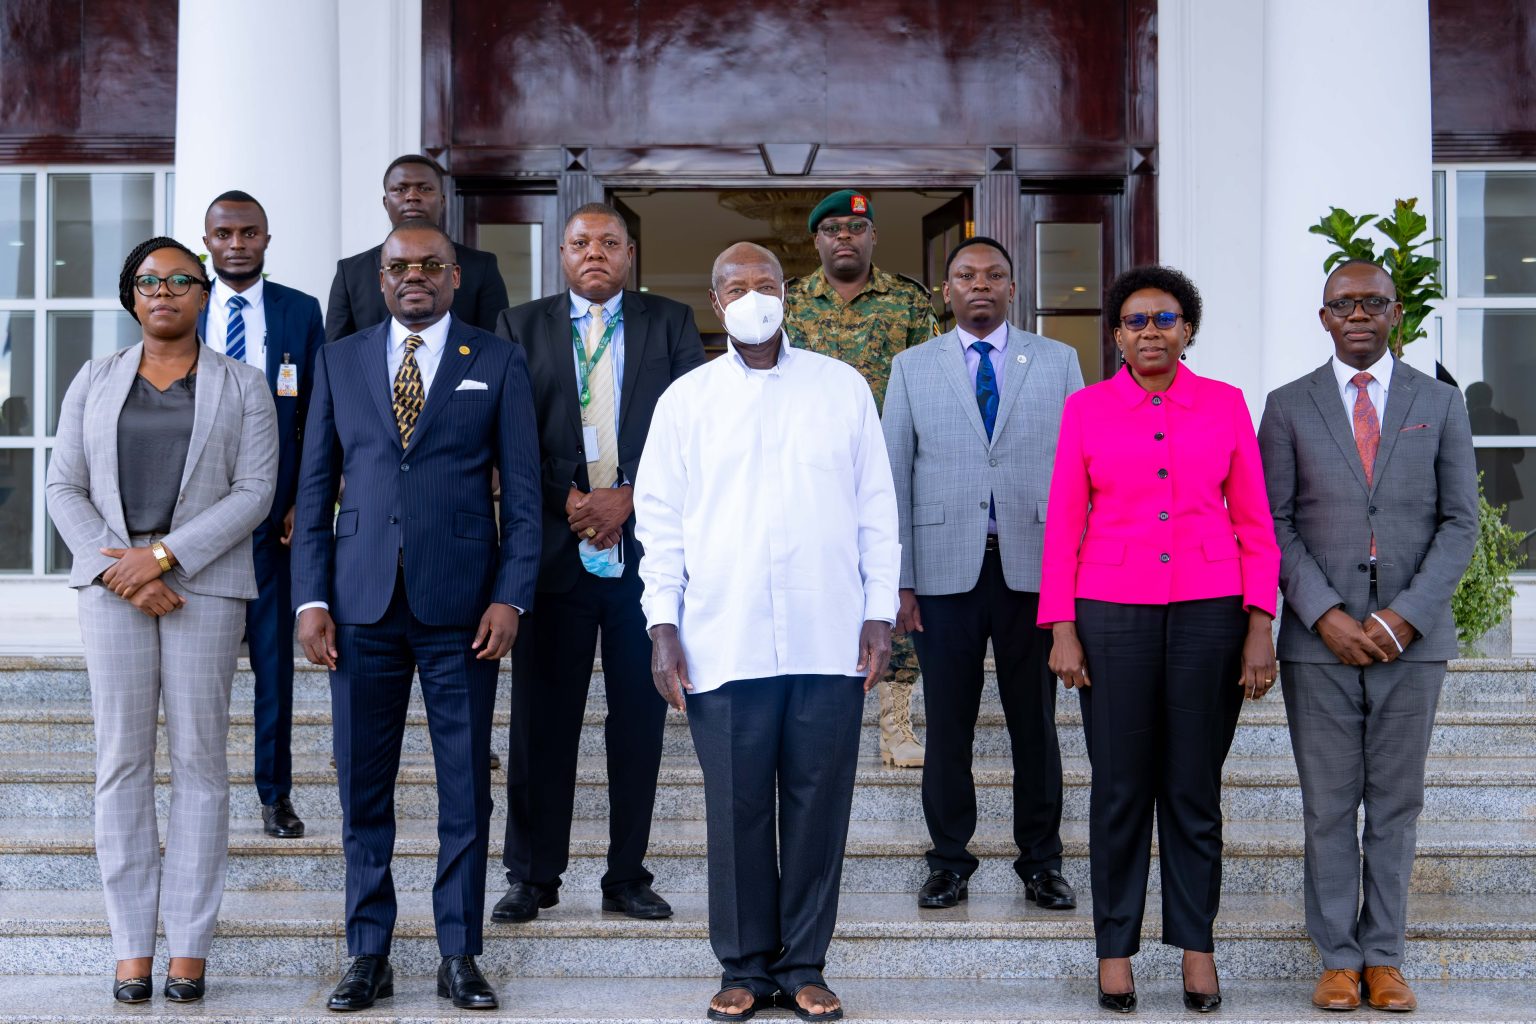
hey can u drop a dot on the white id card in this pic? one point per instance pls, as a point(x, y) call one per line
point(590, 444)
point(287, 381)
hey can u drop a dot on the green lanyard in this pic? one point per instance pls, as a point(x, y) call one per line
point(584, 365)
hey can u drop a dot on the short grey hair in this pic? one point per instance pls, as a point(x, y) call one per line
point(732, 256)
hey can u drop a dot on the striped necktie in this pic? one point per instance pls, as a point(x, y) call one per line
point(410, 396)
point(234, 335)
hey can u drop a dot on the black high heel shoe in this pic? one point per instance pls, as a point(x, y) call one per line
point(132, 990)
point(1120, 1002)
point(186, 990)
point(1201, 1002)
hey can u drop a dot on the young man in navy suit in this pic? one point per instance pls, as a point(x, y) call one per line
point(416, 575)
point(277, 330)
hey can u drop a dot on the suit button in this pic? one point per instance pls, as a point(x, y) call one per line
point(405, 467)
point(1157, 436)
point(984, 505)
point(1157, 400)
point(1373, 510)
point(392, 520)
point(1163, 516)
point(1162, 474)
point(1363, 567)
point(1163, 557)
point(992, 462)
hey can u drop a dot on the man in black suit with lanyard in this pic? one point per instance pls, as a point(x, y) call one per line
point(413, 191)
point(599, 357)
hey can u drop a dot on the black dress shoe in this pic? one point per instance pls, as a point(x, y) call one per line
point(637, 900)
point(279, 820)
point(523, 902)
point(1049, 890)
point(132, 990)
point(943, 889)
point(370, 977)
point(1120, 1002)
point(460, 980)
point(186, 990)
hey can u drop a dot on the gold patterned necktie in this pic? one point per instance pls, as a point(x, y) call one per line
point(410, 396)
point(604, 470)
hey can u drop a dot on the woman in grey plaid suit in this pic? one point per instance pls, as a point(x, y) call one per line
point(163, 467)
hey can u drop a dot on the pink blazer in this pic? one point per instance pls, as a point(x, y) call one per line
point(1157, 498)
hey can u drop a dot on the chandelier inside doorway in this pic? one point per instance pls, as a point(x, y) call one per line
point(785, 211)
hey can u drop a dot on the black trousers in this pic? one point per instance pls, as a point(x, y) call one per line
point(774, 877)
point(551, 673)
point(269, 634)
point(1159, 718)
point(951, 651)
point(370, 692)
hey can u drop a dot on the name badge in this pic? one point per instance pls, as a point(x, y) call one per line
point(590, 444)
point(287, 379)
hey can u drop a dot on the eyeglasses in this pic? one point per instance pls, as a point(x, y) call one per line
point(1163, 320)
point(1375, 305)
point(399, 268)
point(831, 229)
point(148, 285)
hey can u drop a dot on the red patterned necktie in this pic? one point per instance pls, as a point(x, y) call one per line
point(1367, 427)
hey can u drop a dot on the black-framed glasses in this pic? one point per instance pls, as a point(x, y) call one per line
point(1163, 320)
point(399, 268)
point(148, 285)
point(831, 229)
point(1375, 305)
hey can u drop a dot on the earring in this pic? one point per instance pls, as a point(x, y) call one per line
point(1182, 357)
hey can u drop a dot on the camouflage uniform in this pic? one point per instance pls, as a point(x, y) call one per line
point(889, 315)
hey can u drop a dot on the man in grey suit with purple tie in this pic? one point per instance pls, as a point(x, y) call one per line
point(416, 575)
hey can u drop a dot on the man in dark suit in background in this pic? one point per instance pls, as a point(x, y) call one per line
point(416, 413)
point(599, 357)
point(1373, 484)
point(277, 330)
point(413, 193)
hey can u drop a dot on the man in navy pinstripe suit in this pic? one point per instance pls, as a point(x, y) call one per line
point(416, 576)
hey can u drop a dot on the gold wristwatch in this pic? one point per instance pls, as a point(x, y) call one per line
point(158, 550)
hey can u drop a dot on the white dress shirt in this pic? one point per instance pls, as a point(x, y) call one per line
point(1375, 391)
point(765, 506)
point(254, 315)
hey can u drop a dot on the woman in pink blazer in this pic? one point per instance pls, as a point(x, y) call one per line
point(1158, 583)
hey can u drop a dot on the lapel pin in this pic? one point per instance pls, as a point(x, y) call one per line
point(463, 350)
point(1023, 359)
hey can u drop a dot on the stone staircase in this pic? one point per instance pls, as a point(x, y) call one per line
point(1472, 948)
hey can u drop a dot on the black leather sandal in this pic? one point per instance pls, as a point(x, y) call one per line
point(758, 1003)
point(792, 1002)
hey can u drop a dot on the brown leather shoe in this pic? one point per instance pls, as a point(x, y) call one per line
point(1385, 989)
point(1338, 990)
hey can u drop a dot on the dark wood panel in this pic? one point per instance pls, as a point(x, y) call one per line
point(40, 49)
point(1482, 60)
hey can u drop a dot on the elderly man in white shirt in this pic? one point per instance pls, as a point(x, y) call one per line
point(765, 507)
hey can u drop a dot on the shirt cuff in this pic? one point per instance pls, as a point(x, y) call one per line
point(311, 604)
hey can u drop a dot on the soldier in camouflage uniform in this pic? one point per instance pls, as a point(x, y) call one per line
point(851, 310)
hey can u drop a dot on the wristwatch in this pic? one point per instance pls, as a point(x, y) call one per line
point(158, 550)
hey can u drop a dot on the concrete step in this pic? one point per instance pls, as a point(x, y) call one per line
point(882, 856)
point(1487, 729)
point(560, 1000)
point(1474, 680)
point(1256, 788)
point(877, 936)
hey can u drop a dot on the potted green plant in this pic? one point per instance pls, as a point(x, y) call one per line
point(1481, 604)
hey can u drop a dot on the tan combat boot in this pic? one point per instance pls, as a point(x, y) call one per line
point(898, 744)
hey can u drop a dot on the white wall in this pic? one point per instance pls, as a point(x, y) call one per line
point(1263, 125)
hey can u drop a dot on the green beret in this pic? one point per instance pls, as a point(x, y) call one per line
point(846, 203)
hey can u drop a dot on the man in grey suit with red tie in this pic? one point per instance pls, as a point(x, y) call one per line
point(416, 575)
point(1372, 481)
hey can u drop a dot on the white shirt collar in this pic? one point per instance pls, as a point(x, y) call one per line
point(786, 350)
point(580, 306)
point(1381, 369)
point(998, 339)
point(222, 292)
point(434, 337)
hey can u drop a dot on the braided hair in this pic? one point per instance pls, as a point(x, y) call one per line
point(136, 257)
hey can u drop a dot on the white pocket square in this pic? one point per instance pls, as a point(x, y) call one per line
point(472, 385)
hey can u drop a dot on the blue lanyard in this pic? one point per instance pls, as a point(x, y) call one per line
point(584, 366)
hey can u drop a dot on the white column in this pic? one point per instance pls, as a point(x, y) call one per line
point(1338, 131)
point(257, 109)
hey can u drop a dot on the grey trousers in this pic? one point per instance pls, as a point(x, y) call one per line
point(187, 660)
point(1360, 737)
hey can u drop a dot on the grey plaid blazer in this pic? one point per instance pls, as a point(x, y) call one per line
point(1421, 507)
point(946, 469)
point(226, 485)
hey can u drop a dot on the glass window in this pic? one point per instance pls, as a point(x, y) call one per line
point(76, 338)
point(18, 405)
point(1496, 233)
point(56, 552)
point(16, 509)
point(518, 254)
point(1068, 264)
point(1496, 360)
point(1083, 333)
point(18, 235)
point(94, 220)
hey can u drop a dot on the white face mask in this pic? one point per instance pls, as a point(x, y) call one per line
point(754, 318)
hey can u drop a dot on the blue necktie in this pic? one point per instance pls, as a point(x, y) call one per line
point(234, 337)
point(986, 386)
